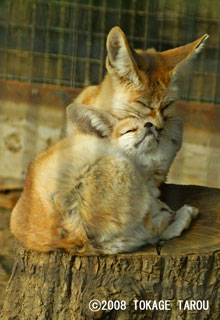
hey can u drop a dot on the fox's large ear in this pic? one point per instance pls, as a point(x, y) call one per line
point(120, 59)
point(178, 57)
point(90, 120)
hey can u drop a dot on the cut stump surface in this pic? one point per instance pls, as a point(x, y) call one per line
point(60, 286)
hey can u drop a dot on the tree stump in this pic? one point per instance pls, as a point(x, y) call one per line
point(60, 286)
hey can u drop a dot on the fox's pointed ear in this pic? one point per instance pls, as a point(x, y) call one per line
point(90, 120)
point(178, 57)
point(120, 59)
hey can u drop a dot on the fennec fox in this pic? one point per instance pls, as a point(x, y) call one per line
point(87, 194)
point(139, 82)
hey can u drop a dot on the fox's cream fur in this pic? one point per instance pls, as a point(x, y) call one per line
point(92, 195)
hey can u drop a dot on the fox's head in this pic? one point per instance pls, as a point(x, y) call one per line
point(135, 137)
point(143, 81)
point(132, 135)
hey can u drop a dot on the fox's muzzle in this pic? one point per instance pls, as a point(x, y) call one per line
point(155, 118)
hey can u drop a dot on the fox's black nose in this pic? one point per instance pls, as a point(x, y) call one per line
point(148, 125)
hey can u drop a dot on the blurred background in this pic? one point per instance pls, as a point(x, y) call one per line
point(51, 49)
point(63, 42)
point(44, 44)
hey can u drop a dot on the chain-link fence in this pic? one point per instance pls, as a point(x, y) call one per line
point(63, 42)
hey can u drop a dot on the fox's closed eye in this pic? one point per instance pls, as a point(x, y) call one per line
point(144, 105)
point(130, 130)
point(167, 106)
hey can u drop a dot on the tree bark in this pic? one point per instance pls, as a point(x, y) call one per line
point(60, 286)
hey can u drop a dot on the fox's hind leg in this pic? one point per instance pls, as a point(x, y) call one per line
point(160, 223)
point(161, 217)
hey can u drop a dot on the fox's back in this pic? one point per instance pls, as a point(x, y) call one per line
point(54, 171)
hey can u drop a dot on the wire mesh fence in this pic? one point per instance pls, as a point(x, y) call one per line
point(63, 42)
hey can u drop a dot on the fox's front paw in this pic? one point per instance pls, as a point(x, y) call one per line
point(187, 209)
point(182, 221)
point(194, 212)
